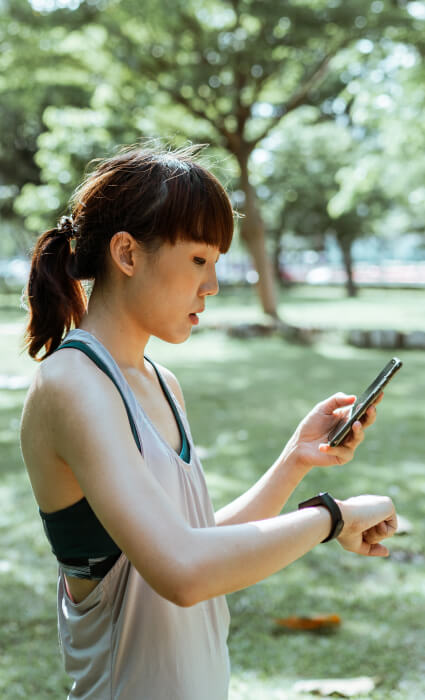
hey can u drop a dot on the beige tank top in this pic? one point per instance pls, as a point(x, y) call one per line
point(124, 641)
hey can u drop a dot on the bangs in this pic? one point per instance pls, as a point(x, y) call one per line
point(158, 197)
point(195, 206)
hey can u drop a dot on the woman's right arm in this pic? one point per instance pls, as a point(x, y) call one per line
point(91, 433)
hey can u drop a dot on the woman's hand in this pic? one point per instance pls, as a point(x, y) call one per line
point(367, 521)
point(309, 444)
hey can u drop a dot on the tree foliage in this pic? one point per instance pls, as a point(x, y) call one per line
point(305, 170)
point(85, 76)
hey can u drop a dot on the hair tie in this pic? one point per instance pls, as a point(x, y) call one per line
point(66, 227)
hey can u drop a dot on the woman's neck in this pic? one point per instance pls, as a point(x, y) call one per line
point(113, 328)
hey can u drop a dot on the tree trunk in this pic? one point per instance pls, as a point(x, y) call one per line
point(252, 232)
point(276, 262)
point(280, 270)
point(348, 264)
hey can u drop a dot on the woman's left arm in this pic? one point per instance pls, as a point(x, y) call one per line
point(307, 448)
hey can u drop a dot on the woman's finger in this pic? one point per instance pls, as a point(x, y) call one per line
point(380, 531)
point(357, 432)
point(379, 399)
point(378, 550)
point(337, 455)
point(335, 402)
point(345, 451)
point(369, 417)
point(376, 534)
point(355, 436)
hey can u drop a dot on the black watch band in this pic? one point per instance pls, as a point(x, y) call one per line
point(325, 499)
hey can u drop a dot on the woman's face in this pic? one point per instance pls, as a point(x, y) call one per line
point(168, 289)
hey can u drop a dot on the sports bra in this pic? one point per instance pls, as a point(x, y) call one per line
point(82, 546)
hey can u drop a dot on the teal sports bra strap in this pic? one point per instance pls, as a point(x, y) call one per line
point(185, 448)
point(92, 355)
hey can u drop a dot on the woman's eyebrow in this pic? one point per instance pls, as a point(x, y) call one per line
point(206, 252)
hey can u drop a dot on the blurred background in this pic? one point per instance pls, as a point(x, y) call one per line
point(313, 115)
point(313, 112)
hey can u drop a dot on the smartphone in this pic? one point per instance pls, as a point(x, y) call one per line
point(343, 427)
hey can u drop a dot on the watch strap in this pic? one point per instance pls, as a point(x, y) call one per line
point(326, 500)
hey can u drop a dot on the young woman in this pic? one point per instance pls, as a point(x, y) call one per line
point(144, 562)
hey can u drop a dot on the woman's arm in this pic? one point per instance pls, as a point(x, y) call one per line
point(267, 496)
point(90, 431)
point(306, 449)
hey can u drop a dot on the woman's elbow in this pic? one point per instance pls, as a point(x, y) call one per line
point(184, 599)
point(186, 589)
point(180, 582)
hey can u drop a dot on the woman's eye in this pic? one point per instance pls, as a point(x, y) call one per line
point(199, 261)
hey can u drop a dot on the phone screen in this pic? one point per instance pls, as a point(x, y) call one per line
point(343, 427)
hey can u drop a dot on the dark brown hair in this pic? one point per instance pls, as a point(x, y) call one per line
point(157, 196)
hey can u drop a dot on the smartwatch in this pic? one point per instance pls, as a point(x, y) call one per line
point(326, 500)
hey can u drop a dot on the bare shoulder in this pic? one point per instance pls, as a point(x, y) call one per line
point(62, 375)
point(75, 418)
point(173, 382)
point(62, 387)
point(73, 382)
point(49, 376)
point(64, 383)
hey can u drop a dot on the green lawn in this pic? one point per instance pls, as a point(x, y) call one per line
point(327, 307)
point(244, 398)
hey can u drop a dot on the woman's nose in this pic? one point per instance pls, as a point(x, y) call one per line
point(211, 286)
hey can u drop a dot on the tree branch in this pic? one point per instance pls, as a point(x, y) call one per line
point(185, 102)
point(300, 96)
point(150, 69)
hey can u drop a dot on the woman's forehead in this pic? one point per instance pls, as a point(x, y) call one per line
point(193, 245)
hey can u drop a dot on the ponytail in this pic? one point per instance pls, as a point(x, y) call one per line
point(56, 300)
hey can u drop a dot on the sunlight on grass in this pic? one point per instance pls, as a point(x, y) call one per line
point(326, 307)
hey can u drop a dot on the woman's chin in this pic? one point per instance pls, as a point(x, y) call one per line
point(175, 338)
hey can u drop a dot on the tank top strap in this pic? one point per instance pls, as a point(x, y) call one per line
point(185, 451)
point(86, 343)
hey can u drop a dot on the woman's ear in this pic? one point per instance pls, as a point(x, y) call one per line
point(124, 250)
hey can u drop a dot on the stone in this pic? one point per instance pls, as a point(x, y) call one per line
point(415, 340)
point(386, 338)
point(358, 338)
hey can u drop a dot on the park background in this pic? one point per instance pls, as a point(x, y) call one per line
point(313, 112)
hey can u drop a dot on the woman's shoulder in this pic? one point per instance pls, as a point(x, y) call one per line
point(60, 377)
point(52, 395)
point(68, 388)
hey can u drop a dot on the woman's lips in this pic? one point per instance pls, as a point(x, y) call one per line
point(194, 319)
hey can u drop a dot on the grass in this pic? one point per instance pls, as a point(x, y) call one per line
point(244, 398)
point(327, 307)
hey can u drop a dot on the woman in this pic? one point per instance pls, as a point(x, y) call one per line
point(144, 562)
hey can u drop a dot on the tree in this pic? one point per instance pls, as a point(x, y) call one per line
point(225, 71)
point(388, 116)
point(31, 47)
point(242, 66)
point(304, 175)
